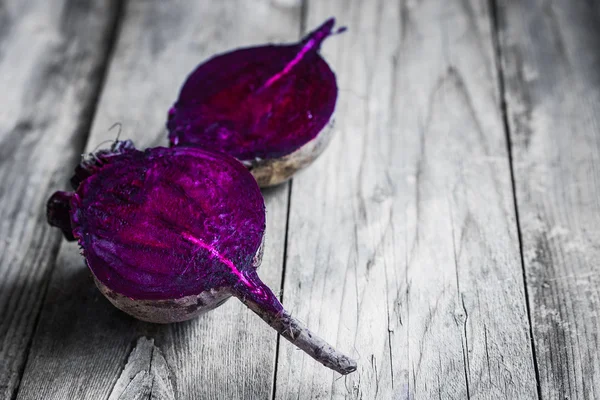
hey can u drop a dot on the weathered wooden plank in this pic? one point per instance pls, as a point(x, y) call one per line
point(83, 342)
point(403, 246)
point(146, 375)
point(551, 59)
point(52, 57)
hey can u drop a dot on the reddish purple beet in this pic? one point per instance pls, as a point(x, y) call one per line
point(171, 233)
point(268, 106)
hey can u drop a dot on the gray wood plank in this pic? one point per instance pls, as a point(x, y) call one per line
point(52, 57)
point(84, 347)
point(551, 60)
point(146, 375)
point(403, 245)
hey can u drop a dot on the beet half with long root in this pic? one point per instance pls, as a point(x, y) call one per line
point(170, 233)
point(271, 106)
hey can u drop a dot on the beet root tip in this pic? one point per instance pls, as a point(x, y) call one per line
point(299, 335)
point(271, 311)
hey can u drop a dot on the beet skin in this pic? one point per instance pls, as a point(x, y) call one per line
point(262, 105)
point(171, 233)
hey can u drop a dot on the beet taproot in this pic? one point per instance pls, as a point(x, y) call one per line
point(271, 107)
point(170, 233)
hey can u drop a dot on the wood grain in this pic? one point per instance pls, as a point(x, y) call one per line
point(145, 376)
point(83, 343)
point(551, 60)
point(403, 245)
point(52, 57)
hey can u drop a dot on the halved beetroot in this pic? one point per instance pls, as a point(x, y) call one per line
point(171, 233)
point(268, 106)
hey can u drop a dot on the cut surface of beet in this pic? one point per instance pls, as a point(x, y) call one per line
point(257, 103)
point(168, 223)
point(170, 233)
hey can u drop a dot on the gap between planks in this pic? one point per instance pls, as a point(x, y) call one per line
point(502, 90)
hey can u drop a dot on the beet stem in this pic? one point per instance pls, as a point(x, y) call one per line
point(294, 330)
point(57, 213)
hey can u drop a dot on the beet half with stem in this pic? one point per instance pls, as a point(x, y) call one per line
point(170, 233)
point(271, 106)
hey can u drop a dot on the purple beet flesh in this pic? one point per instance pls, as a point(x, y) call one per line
point(259, 104)
point(171, 233)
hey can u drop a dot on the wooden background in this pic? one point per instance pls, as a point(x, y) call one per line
point(448, 238)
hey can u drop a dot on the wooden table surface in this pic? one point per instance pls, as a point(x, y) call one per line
point(448, 238)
